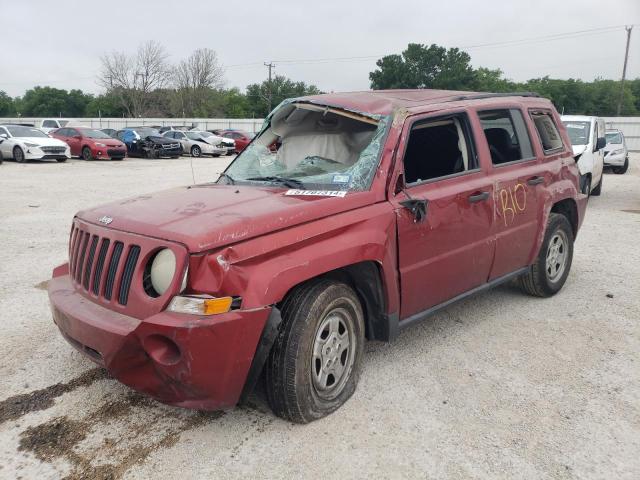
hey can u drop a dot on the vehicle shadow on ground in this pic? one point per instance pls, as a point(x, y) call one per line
point(127, 427)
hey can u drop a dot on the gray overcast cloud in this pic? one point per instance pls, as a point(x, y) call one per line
point(59, 43)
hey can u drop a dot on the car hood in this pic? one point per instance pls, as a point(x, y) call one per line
point(108, 142)
point(162, 140)
point(579, 149)
point(203, 217)
point(43, 142)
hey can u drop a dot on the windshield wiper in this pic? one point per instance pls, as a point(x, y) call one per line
point(287, 182)
point(228, 177)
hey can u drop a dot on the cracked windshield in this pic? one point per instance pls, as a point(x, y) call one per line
point(308, 146)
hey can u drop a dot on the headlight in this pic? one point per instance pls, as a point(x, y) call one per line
point(30, 145)
point(101, 144)
point(161, 272)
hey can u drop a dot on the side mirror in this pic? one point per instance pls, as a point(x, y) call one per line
point(600, 143)
point(4, 136)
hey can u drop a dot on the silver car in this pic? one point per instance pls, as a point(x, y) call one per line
point(616, 154)
point(228, 143)
point(196, 144)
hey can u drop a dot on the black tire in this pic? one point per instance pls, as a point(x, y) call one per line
point(86, 154)
point(598, 189)
point(289, 371)
point(538, 281)
point(623, 169)
point(61, 160)
point(18, 155)
point(196, 151)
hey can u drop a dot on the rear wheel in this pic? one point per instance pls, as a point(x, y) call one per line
point(550, 270)
point(196, 151)
point(314, 365)
point(86, 153)
point(18, 154)
point(623, 169)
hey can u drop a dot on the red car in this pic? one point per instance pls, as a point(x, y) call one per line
point(376, 210)
point(91, 144)
point(240, 137)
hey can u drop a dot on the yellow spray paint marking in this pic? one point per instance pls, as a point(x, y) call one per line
point(510, 204)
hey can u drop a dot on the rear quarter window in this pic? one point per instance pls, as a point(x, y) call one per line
point(547, 131)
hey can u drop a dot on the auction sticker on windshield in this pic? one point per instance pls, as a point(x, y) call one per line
point(323, 193)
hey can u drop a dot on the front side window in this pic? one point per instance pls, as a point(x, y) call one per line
point(506, 135)
point(438, 148)
point(547, 131)
point(311, 146)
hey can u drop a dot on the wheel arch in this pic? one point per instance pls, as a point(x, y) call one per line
point(569, 208)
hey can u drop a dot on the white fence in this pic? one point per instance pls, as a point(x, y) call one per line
point(630, 127)
point(248, 124)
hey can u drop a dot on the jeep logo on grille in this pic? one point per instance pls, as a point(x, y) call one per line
point(105, 219)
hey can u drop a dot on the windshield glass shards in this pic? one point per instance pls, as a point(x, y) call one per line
point(313, 146)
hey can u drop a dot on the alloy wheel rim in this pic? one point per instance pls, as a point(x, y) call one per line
point(557, 255)
point(333, 354)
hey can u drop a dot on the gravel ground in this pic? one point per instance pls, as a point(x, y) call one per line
point(499, 385)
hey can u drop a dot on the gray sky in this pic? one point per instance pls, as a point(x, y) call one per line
point(58, 43)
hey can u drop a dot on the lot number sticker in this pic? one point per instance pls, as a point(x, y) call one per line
point(318, 193)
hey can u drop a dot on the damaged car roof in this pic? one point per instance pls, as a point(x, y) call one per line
point(385, 102)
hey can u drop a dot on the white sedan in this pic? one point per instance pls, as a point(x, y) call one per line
point(29, 143)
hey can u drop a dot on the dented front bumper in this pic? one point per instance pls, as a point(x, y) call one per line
point(189, 361)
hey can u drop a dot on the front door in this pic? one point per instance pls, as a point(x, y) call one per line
point(74, 140)
point(449, 250)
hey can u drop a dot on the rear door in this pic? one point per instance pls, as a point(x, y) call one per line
point(516, 175)
point(449, 249)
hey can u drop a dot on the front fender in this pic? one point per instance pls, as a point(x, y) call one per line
point(262, 270)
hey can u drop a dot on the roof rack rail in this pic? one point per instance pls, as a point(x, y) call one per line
point(480, 96)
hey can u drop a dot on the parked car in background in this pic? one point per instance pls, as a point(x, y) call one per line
point(148, 142)
point(587, 136)
point(616, 154)
point(240, 137)
point(29, 143)
point(49, 124)
point(91, 144)
point(195, 144)
point(110, 131)
point(285, 266)
point(227, 143)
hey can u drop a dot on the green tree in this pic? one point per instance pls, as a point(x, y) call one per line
point(105, 105)
point(7, 106)
point(421, 66)
point(53, 102)
point(280, 88)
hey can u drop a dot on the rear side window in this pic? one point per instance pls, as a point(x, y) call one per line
point(438, 148)
point(547, 131)
point(506, 135)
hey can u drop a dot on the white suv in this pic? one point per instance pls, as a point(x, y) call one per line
point(616, 154)
point(588, 140)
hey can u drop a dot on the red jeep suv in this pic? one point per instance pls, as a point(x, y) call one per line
point(375, 210)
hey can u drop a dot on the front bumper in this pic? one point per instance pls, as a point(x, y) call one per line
point(35, 153)
point(184, 360)
point(615, 160)
point(105, 153)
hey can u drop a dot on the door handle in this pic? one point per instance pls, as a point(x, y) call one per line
point(535, 180)
point(478, 197)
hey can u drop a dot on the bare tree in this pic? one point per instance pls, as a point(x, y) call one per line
point(133, 78)
point(196, 76)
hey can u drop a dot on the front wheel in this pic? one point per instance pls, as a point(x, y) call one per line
point(623, 169)
point(550, 270)
point(86, 154)
point(598, 189)
point(196, 151)
point(18, 154)
point(314, 365)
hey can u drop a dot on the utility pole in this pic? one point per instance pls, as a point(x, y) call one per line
point(270, 66)
point(624, 69)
